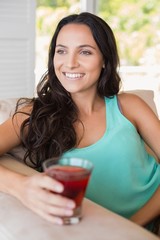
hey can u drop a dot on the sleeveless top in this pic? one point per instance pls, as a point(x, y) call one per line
point(125, 176)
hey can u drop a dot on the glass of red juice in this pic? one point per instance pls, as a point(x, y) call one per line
point(74, 174)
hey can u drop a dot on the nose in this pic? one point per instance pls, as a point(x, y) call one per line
point(72, 61)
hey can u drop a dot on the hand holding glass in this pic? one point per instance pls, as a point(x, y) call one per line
point(74, 174)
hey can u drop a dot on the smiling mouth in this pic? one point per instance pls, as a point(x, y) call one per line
point(73, 75)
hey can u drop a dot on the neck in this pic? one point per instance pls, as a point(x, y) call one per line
point(87, 104)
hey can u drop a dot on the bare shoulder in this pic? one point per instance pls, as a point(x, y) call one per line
point(10, 129)
point(123, 97)
point(134, 107)
point(22, 114)
point(129, 100)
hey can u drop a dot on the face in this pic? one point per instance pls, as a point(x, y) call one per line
point(78, 61)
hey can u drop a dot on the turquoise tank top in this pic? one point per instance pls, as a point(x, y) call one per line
point(125, 176)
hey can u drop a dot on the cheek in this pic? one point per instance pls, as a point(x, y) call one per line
point(54, 62)
point(56, 65)
point(95, 68)
point(57, 61)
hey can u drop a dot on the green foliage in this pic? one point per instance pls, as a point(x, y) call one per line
point(53, 3)
point(135, 24)
point(49, 12)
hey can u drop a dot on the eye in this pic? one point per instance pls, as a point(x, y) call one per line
point(86, 52)
point(61, 51)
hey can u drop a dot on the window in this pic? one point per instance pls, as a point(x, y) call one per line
point(17, 52)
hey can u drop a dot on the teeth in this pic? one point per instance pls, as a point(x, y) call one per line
point(73, 75)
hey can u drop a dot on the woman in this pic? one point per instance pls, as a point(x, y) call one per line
point(79, 112)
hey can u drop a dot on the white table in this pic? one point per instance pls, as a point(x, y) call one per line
point(19, 223)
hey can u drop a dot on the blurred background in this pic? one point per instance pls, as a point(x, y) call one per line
point(26, 27)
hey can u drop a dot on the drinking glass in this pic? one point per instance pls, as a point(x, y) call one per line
point(74, 174)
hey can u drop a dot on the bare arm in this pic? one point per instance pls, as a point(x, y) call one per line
point(8, 137)
point(149, 211)
point(144, 119)
point(148, 126)
point(10, 130)
point(36, 191)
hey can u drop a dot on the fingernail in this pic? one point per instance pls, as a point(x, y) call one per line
point(59, 221)
point(71, 204)
point(58, 188)
point(68, 212)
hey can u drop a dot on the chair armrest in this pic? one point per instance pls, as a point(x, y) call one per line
point(16, 166)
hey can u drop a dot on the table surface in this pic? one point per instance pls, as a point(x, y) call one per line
point(19, 223)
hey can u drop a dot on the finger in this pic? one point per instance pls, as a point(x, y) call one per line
point(42, 207)
point(54, 199)
point(57, 211)
point(49, 183)
point(51, 218)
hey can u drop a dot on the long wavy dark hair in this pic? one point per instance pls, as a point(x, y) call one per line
point(50, 130)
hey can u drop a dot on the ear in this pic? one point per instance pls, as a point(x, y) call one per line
point(103, 65)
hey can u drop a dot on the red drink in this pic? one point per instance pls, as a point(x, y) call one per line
point(74, 179)
point(74, 174)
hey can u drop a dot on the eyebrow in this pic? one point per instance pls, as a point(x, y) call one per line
point(80, 46)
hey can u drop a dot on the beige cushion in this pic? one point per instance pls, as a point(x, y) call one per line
point(7, 107)
point(16, 166)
